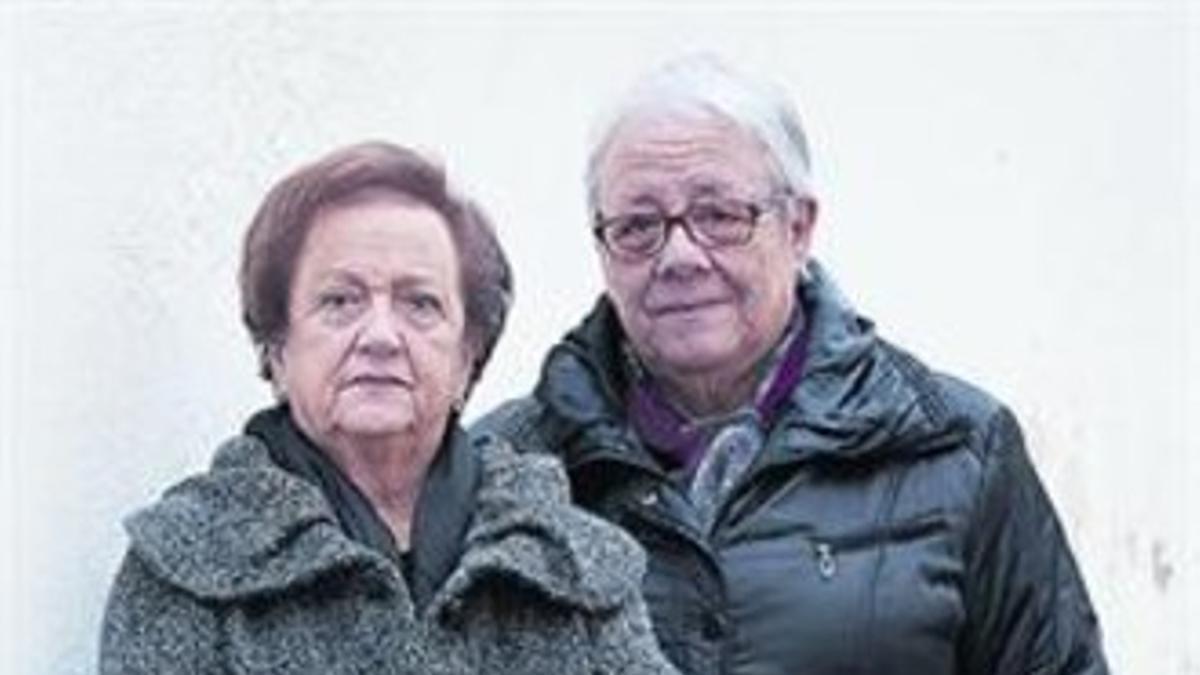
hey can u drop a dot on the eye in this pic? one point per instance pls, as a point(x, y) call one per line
point(632, 228)
point(721, 222)
point(424, 307)
point(706, 215)
point(339, 304)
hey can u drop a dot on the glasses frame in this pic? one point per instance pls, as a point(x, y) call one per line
point(754, 209)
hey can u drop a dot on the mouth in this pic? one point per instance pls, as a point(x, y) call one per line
point(376, 380)
point(685, 307)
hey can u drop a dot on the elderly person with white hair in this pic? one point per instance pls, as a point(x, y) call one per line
point(812, 498)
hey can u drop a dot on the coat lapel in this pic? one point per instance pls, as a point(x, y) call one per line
point(526, 533)
point(246, 528)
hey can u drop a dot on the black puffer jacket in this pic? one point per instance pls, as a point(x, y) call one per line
point(892, 524)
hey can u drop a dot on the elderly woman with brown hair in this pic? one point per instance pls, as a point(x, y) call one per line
point(355, 527)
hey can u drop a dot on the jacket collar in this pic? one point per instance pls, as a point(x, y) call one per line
point(248, 529)
point(858, 397)
point(527, 532)
point(245, 528)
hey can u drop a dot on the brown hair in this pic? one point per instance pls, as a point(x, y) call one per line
point(364, 171)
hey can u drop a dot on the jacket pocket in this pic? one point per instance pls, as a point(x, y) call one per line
point(827, 549)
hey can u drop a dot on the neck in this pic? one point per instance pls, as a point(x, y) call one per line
point(390, 473)
point(709, 394)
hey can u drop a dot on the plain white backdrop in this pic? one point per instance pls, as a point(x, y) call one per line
point(1009, 188)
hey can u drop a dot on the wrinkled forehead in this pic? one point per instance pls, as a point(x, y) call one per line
point(676, 154)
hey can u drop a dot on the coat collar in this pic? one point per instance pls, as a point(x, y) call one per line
point(248, 529)
point(859, 397)
point(526, 532)
point(245, 528)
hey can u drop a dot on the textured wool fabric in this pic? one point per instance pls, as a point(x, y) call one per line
point(244, 569)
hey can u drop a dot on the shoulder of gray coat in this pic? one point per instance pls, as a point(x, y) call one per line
point(244, 527)
point(526, 476)
point(516, 421)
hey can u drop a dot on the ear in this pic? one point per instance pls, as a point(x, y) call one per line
point(802, 221)
point(466, 377)
point(274, 356)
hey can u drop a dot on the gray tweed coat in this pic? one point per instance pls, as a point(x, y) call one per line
point(243, 569)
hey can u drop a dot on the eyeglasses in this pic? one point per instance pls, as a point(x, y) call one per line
point(711, 223)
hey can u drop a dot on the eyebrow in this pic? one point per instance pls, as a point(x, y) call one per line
point(340, 275)
point(710, 188)
point(416, 281)
point(406, 279)
point(644, 199)
point(701, 187)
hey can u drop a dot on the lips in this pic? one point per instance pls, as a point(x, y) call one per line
point(375, 380)
point(684, 306)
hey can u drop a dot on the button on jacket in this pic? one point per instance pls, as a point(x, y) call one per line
point(892, 523)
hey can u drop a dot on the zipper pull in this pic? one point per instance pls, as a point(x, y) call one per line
point(826, 562)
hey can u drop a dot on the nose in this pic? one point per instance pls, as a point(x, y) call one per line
point(380, 335)
point(681, 256)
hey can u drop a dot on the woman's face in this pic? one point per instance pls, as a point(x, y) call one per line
point(374, 349)
point(689, 309)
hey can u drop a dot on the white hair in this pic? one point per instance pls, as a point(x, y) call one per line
point(703, 82)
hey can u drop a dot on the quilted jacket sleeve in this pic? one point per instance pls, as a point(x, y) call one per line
point(151, 627)
point(1027, 607)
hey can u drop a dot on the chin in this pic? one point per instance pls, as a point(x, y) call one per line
point(696, 355)
point(376, 431)
point(378, 421)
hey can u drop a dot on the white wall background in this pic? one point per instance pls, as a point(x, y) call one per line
point(1010, 188)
